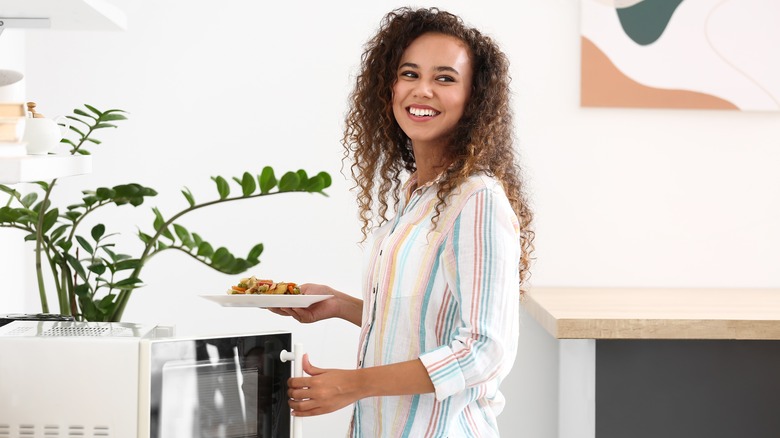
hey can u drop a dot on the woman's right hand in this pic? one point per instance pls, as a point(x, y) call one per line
point(316, 312)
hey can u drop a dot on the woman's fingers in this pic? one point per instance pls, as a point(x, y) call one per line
point(306, 408)
point(278, 311)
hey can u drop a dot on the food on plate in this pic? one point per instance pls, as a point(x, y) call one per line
point(252, 285)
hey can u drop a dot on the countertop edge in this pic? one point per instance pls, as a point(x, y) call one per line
point(550, 313)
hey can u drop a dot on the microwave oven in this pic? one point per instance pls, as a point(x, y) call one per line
point(118, 380)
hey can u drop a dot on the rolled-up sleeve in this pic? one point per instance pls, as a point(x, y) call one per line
point(480, 262)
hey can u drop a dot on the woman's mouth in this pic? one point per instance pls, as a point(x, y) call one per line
point(422, 112)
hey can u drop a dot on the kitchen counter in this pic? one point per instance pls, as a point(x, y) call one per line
point(616, 313)
point(676, 363)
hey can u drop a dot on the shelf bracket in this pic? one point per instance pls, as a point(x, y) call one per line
point(24, 23)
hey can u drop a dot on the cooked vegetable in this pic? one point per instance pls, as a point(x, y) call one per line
point(253, 285)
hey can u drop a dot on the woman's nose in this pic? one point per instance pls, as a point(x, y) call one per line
point(423, 89)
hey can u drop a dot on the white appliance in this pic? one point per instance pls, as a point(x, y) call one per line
point(118, 380)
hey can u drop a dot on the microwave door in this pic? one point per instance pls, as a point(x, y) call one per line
point(221, 388)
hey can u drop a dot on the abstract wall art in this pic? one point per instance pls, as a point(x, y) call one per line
point(688, 54)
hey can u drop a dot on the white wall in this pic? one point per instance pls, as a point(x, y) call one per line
point(622, 197)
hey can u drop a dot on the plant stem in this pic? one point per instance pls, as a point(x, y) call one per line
point(38, 248)
point(54, 271)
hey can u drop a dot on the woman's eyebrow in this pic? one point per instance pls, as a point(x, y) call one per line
point(438, 68)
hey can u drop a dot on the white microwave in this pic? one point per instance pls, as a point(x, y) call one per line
point(119, 380)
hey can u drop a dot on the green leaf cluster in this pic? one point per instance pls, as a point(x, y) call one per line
point(85, 123)
point(93, 280)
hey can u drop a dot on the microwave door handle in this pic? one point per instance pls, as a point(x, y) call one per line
point(297, 357)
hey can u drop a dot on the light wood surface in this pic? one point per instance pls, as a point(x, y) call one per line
point(616, 313)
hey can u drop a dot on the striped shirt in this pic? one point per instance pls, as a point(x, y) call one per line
point(448, 296)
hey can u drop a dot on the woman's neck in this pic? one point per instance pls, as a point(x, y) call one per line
point(430, 162)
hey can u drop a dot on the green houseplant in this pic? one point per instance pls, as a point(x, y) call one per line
point(93, 280)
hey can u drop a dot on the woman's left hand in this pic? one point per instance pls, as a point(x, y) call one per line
point(326, 390)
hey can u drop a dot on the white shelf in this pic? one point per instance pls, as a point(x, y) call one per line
point(30, 168)
point(68, 14)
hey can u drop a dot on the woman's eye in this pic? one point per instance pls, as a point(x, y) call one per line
point(445, 79)
point(409, 74)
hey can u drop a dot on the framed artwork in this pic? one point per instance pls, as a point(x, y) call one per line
point(694, 54)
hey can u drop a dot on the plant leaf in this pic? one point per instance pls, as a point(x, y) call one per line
point(49, 219)
point(106, 304)
point(104, 193)
point(145, 238)
point(159, 224)
point(90, 200)
point(72, 215)
point(97, 268)
point(128, 264)
point(188, 194)
point(10, 191)
point(84, 244)
point(65, 244)
point(8, 214)
point(89, 311)
point(267, 179)
point(326, 179)
point(83, 113)
point(303, 178)
point(82, 290)
point(98, 231)
point(29, 199)
point(112, 117)
point(315, 184)
point(77, 131)
point(54, 235)
point(65, 140)
point(110, 254)
point(182, 233)
point(42, 205)
point(248, 185)
point(222, 187)
point(254, 253)
point(128, 283)
point(93, 109)
point(44, 185)
point(289, 182)
point(76, 265)
point(79, 120)
point(221, 258)
point(205, 249)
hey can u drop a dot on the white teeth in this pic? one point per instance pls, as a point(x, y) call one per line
point(420, 112)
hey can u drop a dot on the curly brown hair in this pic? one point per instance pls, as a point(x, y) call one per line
point(482, 141)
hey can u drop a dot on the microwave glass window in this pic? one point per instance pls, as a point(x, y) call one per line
point(220, 388)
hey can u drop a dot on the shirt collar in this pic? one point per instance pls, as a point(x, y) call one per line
point(410, 187)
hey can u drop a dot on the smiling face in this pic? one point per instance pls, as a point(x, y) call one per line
point(432, 88)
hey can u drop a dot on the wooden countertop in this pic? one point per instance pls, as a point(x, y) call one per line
point(616, 313)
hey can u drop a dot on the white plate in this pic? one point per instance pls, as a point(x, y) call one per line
point(266, 300)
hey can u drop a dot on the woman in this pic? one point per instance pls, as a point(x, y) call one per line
point(441, 283)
